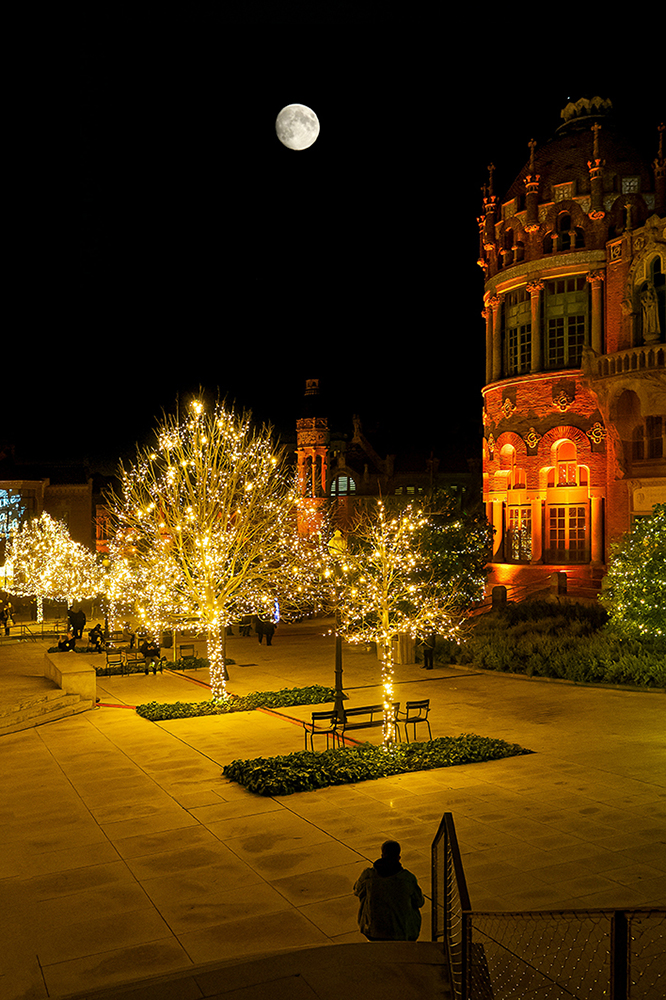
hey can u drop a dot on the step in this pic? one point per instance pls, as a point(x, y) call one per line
point(61, 707)
point(380, 970)
point(27, 702)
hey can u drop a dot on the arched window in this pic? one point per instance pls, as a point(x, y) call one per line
point(564, 231)
point(567, 522)
point(343, 486)
point(566, 471)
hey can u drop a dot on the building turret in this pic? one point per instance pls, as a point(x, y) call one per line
point(574, 258)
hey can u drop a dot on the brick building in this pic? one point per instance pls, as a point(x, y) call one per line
point(335, 470)
point(574, 258)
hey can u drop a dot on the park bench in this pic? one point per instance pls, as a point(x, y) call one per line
point(120, 662)
point(368, 717)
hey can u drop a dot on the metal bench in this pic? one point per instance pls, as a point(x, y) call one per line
point(368, 717)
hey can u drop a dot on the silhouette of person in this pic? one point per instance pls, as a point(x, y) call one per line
point(390, 897)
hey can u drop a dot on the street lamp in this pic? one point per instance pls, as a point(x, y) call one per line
point(337, 547)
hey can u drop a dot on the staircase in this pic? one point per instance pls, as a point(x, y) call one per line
point(35, 710)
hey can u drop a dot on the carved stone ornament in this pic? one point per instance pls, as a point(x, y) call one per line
point(508, 407)
point(491, 444)
point(563, 401)
point(597, 433)
point(532, 439)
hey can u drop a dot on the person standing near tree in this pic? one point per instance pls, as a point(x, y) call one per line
point(391, 899)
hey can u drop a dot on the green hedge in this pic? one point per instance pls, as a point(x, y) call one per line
point(567, 641)
point(305, 770)
point(315, 694)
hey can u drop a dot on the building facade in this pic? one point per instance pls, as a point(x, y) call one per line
point(336, 470)
point(574, 258)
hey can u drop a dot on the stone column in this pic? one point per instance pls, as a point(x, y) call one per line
point(596, 530)
point(498, 525)
point(596, 279)
point(535, 288)
point(487, 314)
point(494, 303)
point(537, 532)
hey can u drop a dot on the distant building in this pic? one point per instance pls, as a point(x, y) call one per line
point(574, 257)
point(68, 492)
point(334, 471)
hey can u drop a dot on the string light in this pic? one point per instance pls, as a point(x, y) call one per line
point(388, 588)
point(206, 528)
point(635, 588)
point(46, 563)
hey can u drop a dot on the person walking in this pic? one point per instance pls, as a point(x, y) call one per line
point(391, 899)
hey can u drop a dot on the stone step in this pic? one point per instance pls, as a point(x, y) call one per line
point(381, 970)
point(30, 701)
point(43, 711)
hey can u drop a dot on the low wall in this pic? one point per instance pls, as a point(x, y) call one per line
point(71, 674)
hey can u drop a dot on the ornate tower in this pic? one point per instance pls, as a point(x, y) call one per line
point(312, 442)
point(574, 258)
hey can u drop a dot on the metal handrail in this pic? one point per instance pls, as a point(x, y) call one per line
point(37, 630)
point(488, 952)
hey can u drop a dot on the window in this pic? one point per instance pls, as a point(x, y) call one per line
point(566, 321)
point(518, 326)
point(519, 534)
point(654, 437)
point(647, 439)
point(342, 486)
point(567, 471)
point(567, 530)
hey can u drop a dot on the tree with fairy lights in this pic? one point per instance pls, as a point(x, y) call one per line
point(389, 587)
point(634, 591)
point(45, 562)
point(204, 524)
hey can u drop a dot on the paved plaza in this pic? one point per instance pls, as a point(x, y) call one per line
point(125, 853)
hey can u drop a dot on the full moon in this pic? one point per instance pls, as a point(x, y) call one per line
point(297, 127)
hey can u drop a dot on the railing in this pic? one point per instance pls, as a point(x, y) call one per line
point(35, 631)
point(450, 905)
point(549, 954)
point(632, 359)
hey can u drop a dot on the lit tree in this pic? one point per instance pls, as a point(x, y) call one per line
point(634, 591)
point(46, 563)
point(389, 587)
point(204, 524)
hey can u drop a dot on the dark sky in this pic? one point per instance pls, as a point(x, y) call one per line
point(174, 242)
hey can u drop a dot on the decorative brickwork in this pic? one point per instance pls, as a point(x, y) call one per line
point(574, 259)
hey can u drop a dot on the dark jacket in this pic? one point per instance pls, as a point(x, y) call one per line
point(390, 901)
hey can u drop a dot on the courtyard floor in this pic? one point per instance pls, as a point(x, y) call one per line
point(126, 854)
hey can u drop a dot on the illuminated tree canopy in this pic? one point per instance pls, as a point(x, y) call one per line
point(390, 587)
point(635, 588)
point(47, 563)
point(204, 524)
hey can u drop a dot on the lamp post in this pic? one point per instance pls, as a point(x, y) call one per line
point(337, 547)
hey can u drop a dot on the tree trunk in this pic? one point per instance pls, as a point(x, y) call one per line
point(216, 642)
point(387, 691)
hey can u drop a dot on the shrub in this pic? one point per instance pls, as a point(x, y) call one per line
point(570, 641)
point(315, 694)
point(304, 771)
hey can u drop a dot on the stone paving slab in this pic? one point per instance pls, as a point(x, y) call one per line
point(125, 853)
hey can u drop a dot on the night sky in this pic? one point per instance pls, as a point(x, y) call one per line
point(174, 242)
